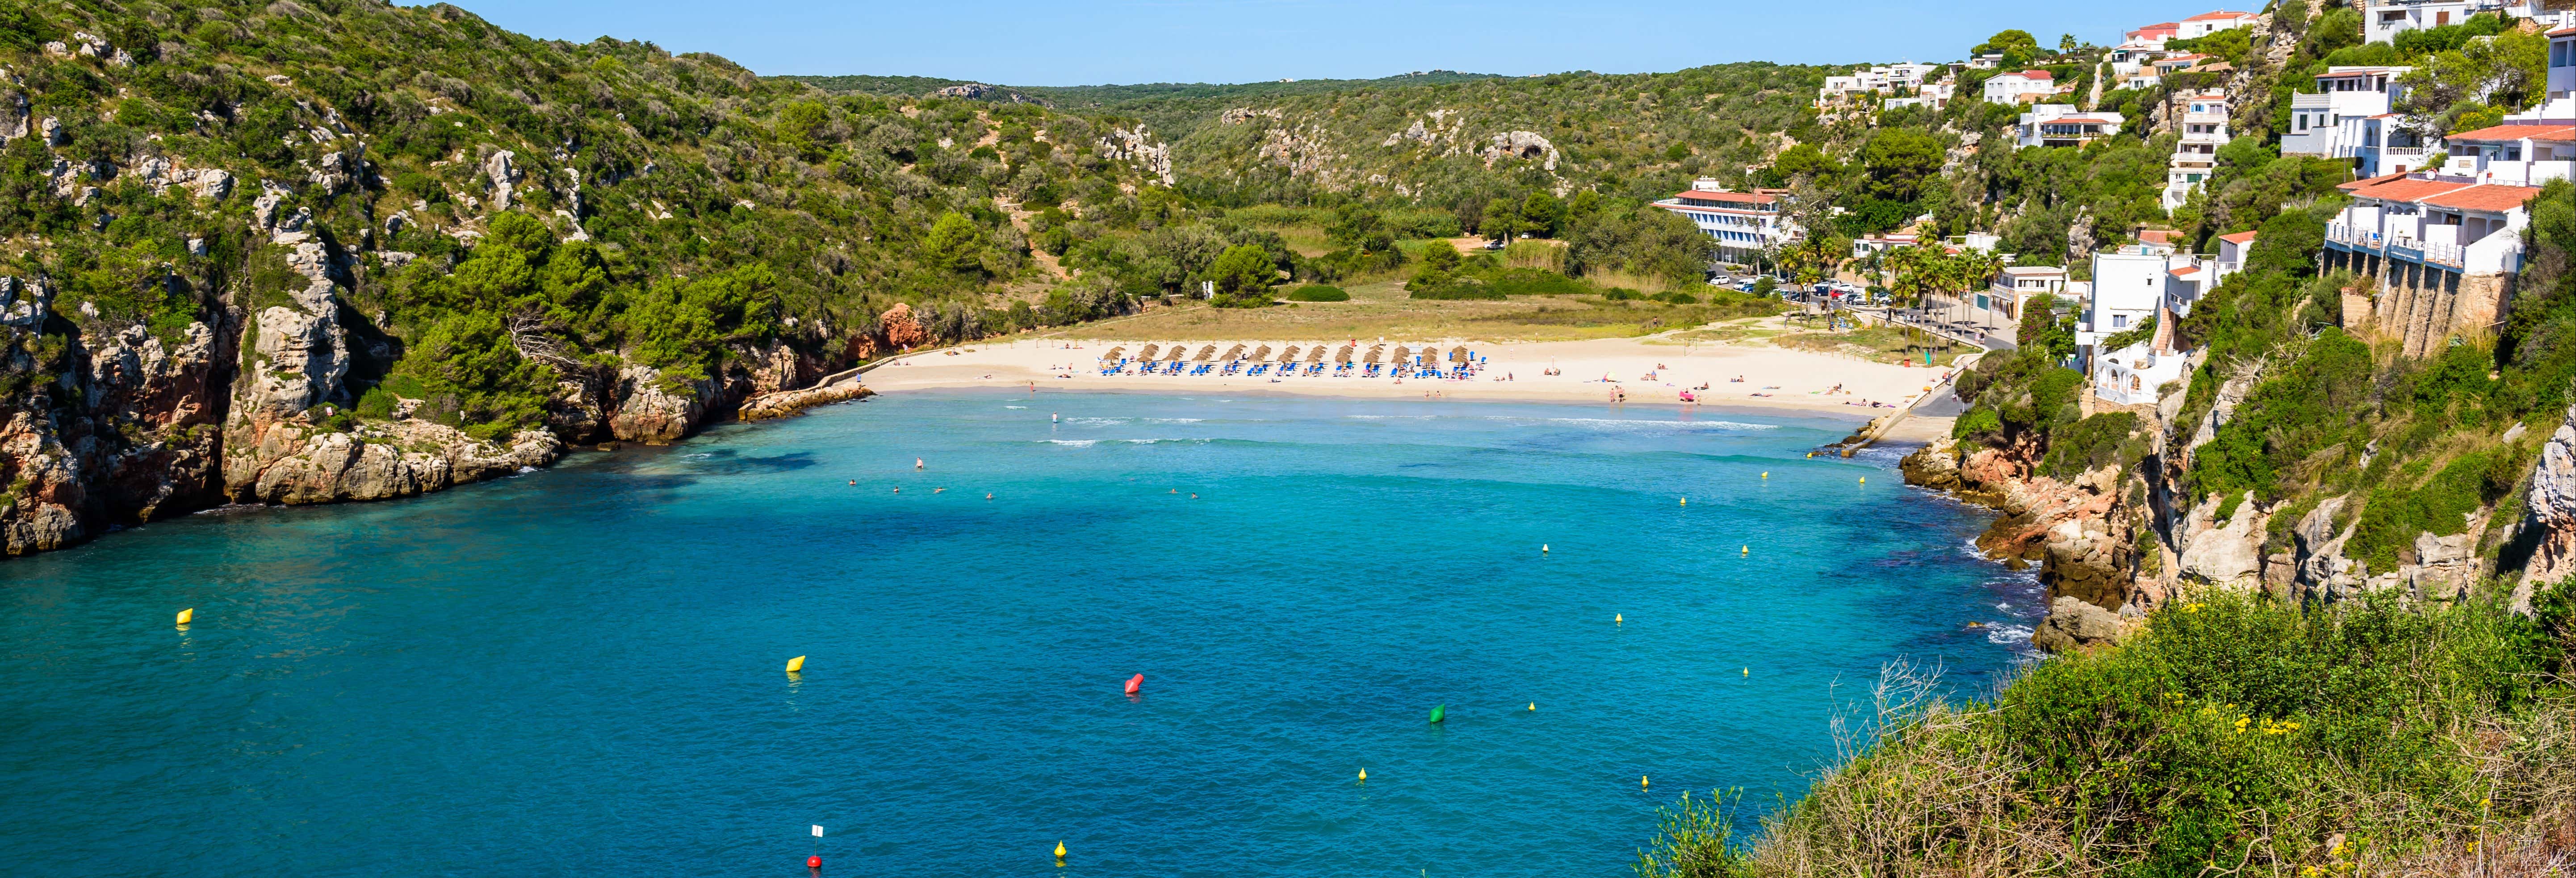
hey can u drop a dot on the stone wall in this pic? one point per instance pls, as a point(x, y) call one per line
point(2422, 306)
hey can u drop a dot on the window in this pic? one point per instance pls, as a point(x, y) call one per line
point(2303, 121)
point(2119, 321)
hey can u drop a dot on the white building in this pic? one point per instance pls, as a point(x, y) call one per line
point(2383, 20)
point(2155, 34)
point(2022, 87)
point(2208, 23)
point(1742, 223)
point(2387, 146)
point(2060, 125)
point(2133, 286)
point(2195, 157)
point(2317, 126)
point(1891, 79)
point(1932, 94)
point(2002, 301)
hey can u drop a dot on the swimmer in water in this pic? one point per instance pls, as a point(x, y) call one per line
point(938, 490)
point(854, 483)
point(916, 463)
point(1194, 496)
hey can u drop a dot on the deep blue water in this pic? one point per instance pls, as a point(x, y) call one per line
point(579, 670)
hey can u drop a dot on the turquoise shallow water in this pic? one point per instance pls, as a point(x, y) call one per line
point(578, 670)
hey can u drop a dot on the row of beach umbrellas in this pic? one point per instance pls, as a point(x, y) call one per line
point(1287, 353)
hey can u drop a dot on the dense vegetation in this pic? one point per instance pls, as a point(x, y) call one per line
point(2239, 735)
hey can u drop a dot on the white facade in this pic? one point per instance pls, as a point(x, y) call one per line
point(1934, 94)
point(2317, 126)
point(2195, 157)
point(2562, 60)
point(2139, 284)
point(2060, 125)
point(2383, 20)
point(2437, 221)
point(1742, 222)
point(2530, 148)
point(1890, 79)
point(2208, 23)
point(2014, 88)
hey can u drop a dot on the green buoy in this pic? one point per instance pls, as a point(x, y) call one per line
point(1439, 712)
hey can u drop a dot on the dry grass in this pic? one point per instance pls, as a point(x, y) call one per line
point(1382, 309)
point(1882, 344)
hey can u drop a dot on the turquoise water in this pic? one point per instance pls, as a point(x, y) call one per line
point(578, 670)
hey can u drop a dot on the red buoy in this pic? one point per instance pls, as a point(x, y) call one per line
point(814, 862)
point(1134, 683)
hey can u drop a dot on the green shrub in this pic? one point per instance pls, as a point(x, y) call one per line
point(2088, 444)
point(1318, 293)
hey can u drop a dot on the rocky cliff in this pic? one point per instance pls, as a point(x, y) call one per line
point(2116, 542)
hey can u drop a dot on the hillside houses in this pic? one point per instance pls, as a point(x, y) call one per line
point(2020, 88)
point(2061, 125)
point(2204, 129)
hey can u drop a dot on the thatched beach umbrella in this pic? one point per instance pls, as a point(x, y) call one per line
point(1315, 354)
point(1147, 354)
point(1458, 355)
point(1288, 355)
point(1178, 353)
point(1206, 352)
point(1233, 353)
point(1375, 352)
point(1431, 355)
point(1113, 353)
point(1402, 355)
point(1260, 356)
point(1343, 355)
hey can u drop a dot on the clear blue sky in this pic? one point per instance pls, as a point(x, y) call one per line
point(1067, 42)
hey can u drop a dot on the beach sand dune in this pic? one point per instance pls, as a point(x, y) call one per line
point(1584, 371)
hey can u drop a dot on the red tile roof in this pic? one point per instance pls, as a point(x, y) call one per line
point(2030, 74)
point(2220, 15)
point(2156, 236)
point(2490, 198)
point(2564, 32)
point(2186, 271)
point(2240, 238)
point(1733, 197)
point(2516, 132)
point(2366, 182)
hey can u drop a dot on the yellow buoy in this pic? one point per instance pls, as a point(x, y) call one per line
point(1059, 850)
point(1766, 475)
point(187, 614)
point(1617, 619)
point(1641, 781)
point(1533, 705)
point(1748, 550)
point(1811, 455)
point(1685, 501)
point(796, 664)
point(1864, 480)
point(1363, 775)
point(1748, 672)
point(1542, 548)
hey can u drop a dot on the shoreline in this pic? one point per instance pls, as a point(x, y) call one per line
point(1746, 378)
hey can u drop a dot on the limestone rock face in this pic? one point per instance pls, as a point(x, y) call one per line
point(2074, 624)
point(2228, 554)
point(788, 402)
point(503, 169)
point(1934, 466)
point(2323, 571)
point(2551, 509)
point(1527, 145)
point(650, 413)
point(297, 463)
point(122, 434)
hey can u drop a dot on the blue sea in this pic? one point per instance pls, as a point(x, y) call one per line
point(580, 670)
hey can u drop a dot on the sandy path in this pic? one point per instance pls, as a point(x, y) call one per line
point(1773, 377)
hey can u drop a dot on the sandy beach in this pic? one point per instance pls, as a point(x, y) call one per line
point(1647, 371)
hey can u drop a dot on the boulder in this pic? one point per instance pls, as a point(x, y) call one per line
point(2074, 624)
point(651, 411)
point(2229, 554)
